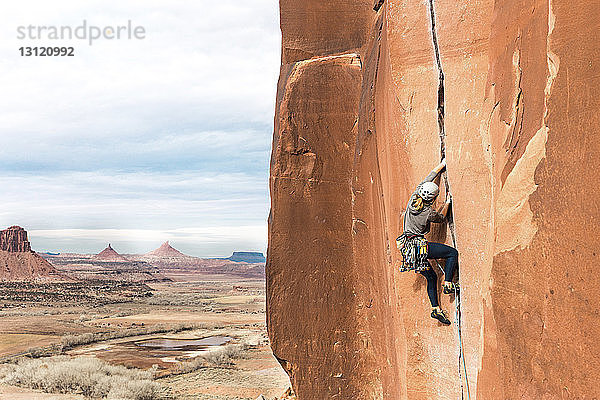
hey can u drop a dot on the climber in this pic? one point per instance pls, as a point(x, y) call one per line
point(416, 250)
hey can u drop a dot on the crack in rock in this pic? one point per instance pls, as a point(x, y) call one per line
point(442, 134)
point(441, 112)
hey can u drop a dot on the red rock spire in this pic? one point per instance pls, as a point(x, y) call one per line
point(14, 240)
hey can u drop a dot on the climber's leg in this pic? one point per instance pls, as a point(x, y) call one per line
point(438, 251)
point(431, 277)
point(436, 311)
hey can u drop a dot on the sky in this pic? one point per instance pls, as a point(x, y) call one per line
point(139, 141)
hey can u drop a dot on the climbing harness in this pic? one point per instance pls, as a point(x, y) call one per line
point(414, 252)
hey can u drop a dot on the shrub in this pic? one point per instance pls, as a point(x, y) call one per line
point(220, 357)
point(86, 375)
point(70, 341)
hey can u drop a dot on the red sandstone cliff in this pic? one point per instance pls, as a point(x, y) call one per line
point(14, 239)
point(362, 115)
point(17, 261)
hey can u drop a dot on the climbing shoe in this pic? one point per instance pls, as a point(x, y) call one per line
point(440, 315)
point(451, 288)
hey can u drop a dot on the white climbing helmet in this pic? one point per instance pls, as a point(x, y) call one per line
point(428, 191)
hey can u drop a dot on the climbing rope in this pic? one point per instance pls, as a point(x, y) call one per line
point(442, 134)
point(462, 365)
point(458, 313)
point(461, 351)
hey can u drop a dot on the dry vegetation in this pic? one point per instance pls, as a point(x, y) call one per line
point(97, 379)
point(85, 375)
point(222, 357)
point(77, 331)
point(96, 293)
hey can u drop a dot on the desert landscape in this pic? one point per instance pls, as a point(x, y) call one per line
point(161, 325)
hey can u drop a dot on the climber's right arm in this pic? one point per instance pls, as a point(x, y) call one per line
point(441, 214)
point(444, 210)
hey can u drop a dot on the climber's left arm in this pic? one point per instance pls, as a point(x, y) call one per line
point(435, 172)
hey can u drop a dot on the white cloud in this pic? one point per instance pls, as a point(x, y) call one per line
point(167, 133)
point(127, 200)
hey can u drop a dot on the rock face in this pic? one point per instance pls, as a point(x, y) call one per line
point(110, 255)
point(14, 240)
point(166, 250)
point(247, 256)
point(367, 103)
point(18, 262)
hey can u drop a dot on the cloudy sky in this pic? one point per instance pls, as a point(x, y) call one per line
point(135, 142)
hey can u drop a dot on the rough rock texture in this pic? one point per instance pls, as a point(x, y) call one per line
point(362, 115)
point(14, 239)
point(18, 262)
point(110, 255)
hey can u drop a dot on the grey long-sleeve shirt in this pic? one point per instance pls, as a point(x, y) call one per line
point(419, 215)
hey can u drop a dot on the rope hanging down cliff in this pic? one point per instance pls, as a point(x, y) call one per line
point(442, 134)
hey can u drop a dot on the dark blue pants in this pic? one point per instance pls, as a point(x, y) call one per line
point(439, 251)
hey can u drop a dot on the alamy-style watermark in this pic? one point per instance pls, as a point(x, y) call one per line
point(88, 32)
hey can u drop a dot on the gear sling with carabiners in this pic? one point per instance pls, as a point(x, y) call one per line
point(414, 252)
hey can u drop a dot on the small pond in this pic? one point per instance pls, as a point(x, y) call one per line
point(183, 344)
point(143, 353)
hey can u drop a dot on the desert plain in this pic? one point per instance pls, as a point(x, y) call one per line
point(143, 327)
